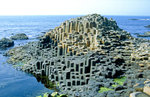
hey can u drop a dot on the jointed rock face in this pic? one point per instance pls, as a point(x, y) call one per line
point(79, 52)
point(142, 55)
point(89, 33)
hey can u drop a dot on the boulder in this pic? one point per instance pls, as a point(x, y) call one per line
point(139, 75)
point(5, 42)
point(139, 87)
point(119, 88)
point(20, 36)
point(147, 33)
point(147, 81)
point(148, 26)
point(43, 32)
point(147, 89)
point(138, 94)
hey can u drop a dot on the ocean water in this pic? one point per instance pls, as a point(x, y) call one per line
point(15, 83)
point(133, 26)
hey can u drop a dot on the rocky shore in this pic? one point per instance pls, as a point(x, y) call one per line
point(146, 34)
point(89, 56)
point(9, 42)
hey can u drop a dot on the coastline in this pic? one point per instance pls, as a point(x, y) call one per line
point(45, 41)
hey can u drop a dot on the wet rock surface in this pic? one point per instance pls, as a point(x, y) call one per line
point(5, 42)
point(138, 94)
point(146, 34)
point(89, 56)
point(148, 26)
point(20, 36)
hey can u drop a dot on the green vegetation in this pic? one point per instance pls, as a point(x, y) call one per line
point(47, 83)
point(114, 85)
point(120, 80)
point(104, 89)
point(54, 94)
point(44, 95)
point(57, 84)
point(62, 95)
point(39, 96)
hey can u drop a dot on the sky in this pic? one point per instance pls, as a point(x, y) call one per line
point(75, 7)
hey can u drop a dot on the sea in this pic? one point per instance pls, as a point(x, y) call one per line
point(15, 83)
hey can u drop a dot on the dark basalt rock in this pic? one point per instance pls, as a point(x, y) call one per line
point(119, 88)
point(146, 34)
point(20, 36)
point(5, 42)
point(148, 26)
point(43, 32)
point(139, 75)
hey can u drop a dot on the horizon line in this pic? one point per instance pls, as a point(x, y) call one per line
point(71, 15)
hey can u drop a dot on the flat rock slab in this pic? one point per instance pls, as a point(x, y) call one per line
point(147, 89)
point(139, 94)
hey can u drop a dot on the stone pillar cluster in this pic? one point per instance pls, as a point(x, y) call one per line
point(73, 73)
point(81, 49)
point(141, 56)
point(91, 33)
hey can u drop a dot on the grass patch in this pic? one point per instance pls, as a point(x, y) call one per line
point(120, 80)
point(57, 84)
point(44, 95)
point(54, 94)
point(114, 86)
point(39, 96)
point(62, 95)
point(104, 89)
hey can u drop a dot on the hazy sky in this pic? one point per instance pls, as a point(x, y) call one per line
point(74, 7)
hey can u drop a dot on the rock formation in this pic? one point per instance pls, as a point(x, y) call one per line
point(81, 55)
point(148, 26)
point(20, 36)
point(141, 56)
point(146, 34)
point(5, 42)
